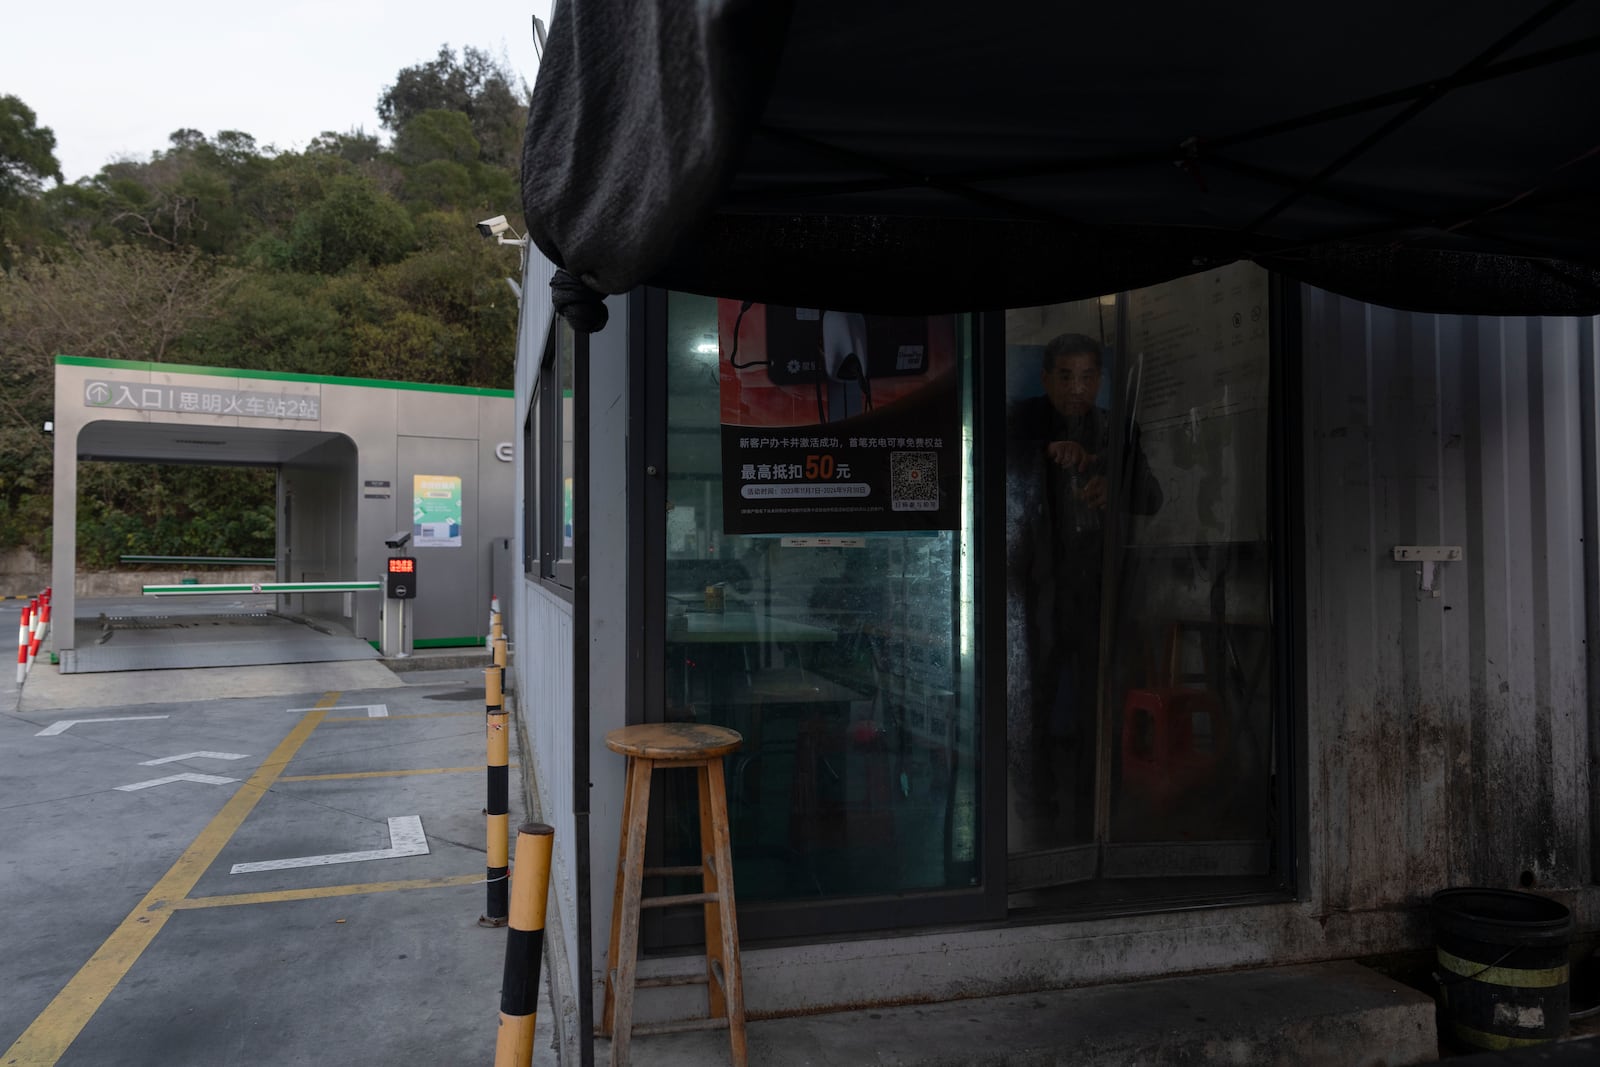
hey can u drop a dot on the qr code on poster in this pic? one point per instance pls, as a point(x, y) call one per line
point(914, 481)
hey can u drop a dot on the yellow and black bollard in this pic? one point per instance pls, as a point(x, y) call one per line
point(519, 987)
point(499, 798)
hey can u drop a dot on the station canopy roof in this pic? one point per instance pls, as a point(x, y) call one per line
point(1433, 155)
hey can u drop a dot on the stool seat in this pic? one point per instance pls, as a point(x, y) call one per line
point(674, 740)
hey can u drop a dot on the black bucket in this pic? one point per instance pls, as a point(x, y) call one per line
point(1502, 968)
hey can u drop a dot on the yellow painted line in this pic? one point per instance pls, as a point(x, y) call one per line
point(1517, 977)
point(324, 892)
point(47, 1038)
point(419, 715)
point(374, 774)
point(1485, 1040)
point(381, 774)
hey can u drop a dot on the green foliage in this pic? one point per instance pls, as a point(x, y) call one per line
point(349, 258)
point(164, 510)
point(27, 150)
point(275, 321)
point(27, 158)
point(493, 99)
point(436, 135)
point(355, 147)
point(353, 225)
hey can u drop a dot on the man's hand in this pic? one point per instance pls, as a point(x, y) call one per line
point(1069, 454)
point(1093, 492)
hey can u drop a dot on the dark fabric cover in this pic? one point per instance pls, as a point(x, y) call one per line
point(1439, 155)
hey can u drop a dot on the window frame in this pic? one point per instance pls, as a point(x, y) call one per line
point(987, 904)
point(545, 560)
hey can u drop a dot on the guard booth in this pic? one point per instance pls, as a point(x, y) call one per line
point(358, 461)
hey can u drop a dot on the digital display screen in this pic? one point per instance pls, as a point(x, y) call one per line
point(402, 566)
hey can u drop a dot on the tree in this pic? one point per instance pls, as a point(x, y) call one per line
point(27, 150)
point(355, 146)
point(27, 158)
point(492, 97)
point(436, 135)
point(353, 225)
point(119, 302)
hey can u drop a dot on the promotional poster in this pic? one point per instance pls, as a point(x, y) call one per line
point(436, 511)
point(838, 422)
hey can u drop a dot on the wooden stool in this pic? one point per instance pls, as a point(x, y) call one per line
point(673, 745)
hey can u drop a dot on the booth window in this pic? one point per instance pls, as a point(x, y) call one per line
point(551, 462)
point(530, 490)
point(1146, 712)
point(1102, 603)
point(818, 597)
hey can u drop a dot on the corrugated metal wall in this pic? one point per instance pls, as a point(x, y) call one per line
point(1448, 738)
point(542, 667)
point(543, 663)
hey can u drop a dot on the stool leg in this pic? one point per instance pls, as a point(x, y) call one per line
point(713, 789)
point(626, 961)
point(713, 909)
point(616, 902)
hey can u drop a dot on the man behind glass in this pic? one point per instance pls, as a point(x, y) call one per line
point(1062, 440)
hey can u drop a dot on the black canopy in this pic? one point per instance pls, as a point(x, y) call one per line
point(1436, 155)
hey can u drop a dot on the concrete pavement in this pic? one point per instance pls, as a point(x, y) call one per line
point(133, 934)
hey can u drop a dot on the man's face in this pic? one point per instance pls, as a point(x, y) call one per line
point(1072, 382)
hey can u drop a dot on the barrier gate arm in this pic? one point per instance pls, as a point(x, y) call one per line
point(237, 588)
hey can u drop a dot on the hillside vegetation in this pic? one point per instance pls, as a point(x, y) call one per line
point(355, 257)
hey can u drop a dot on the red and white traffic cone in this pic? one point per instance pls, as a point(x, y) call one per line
point(37, 636)
point(44, 621)
point(22, 642)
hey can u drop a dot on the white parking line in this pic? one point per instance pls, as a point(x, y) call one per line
point(64, 725)
point(405, 836)
point(203, 779)
point(193, 755)
point(374, 711)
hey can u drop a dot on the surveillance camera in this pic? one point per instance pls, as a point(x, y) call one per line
point(399, 540)
point(493, 227)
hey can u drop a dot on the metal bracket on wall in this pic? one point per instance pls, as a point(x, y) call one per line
point(1429, 556)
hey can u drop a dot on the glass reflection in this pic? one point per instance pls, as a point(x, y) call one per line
point(1139, 726)
point(838, 659)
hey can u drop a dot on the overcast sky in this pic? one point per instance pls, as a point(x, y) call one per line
point(113, 79)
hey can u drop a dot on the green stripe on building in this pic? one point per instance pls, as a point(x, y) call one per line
point(139, 365)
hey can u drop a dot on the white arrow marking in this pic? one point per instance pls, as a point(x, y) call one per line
point(374, 711)
point(203, 779)
point(66, 724)
point(193, 755)
point(405, 836)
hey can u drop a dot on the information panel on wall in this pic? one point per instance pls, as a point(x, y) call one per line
point(1199, 384)
point(838, 422)
point(435, 511)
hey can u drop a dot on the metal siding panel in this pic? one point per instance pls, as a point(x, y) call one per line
point(1457, 610)
point(1460, 721)
point(1342, 647)
point(1378, 864)
point(544, 678)
point(1503, 761)
point(1421, 707)
point(1563, 702)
